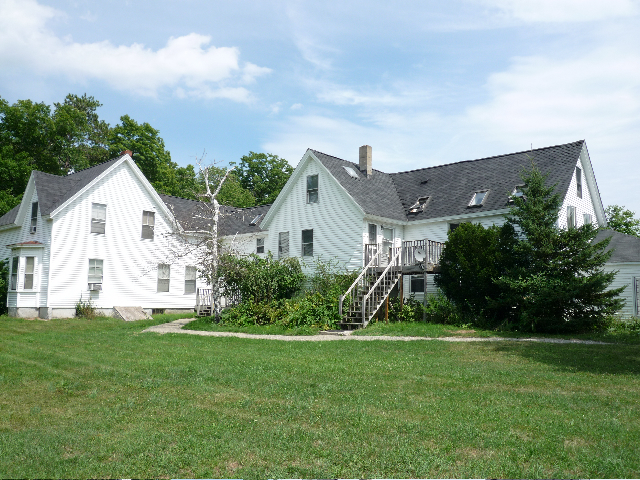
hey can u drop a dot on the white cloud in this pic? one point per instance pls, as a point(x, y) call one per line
point(187, 65)
point(564, 10)
point(296, 106)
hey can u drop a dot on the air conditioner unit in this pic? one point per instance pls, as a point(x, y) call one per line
point(33, 229)
point(95, 287)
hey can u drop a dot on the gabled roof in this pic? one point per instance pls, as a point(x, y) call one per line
point(54, 190)
point(450, 187)
point(626, 248)
point(193, 215)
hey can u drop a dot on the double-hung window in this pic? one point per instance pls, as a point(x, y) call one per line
point(189, 279)
point(312, 189)
point(164, 274)
point(260, 245)
point(98, 217)
point(307, 243)
point(571, 216)
point(34, 217)
point(579, 182)
point(28, 272)
point(586, 219)
point(95, 272)
point(148, 222)
point(283, 244)
point(14, 273)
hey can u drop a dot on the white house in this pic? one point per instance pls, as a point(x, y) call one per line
point(105, 234)
point(102, 234)
point(333, 208)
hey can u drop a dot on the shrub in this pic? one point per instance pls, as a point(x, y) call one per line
point(85, 309)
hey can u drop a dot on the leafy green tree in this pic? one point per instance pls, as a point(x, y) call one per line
point(558, 283)
point(622, 220)
point(231, 193)
point(263, 174)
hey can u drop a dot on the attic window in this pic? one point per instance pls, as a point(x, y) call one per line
point(478, 198)
point(578, 182)
point(34, 216)
point(351, 171)
point(256, 220)
point(420, 205)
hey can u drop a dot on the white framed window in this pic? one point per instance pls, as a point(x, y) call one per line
point(189, 279)
point(307, 243)
point(579, 182)
point(164, 275)
point(373, 233)
point(34, 217)
point(13, 284)
point(259, 245)
point(586, 219)
point(571, 216)
point(98, 218)
point(29, 269)
point(312, 189)
point(416, 284)
point(148, 222)
point(95, 273)
point(478, 198)
point(283, 244)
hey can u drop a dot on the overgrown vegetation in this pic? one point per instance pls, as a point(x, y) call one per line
point(85, 309)
point(277, 292)
point(528, 274)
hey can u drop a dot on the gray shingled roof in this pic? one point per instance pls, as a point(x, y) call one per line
point(451, 187)
point(193, 215)
point(626, 248)
point(54, 190)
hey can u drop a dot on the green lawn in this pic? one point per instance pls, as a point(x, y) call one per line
point(98, 398)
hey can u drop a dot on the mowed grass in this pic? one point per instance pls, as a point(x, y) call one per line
point(98, 398)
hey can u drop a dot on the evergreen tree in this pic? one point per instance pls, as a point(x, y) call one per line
point(557, 282)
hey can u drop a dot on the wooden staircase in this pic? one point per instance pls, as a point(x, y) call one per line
point(371, 288)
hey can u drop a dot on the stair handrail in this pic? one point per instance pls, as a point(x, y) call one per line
point(374, 260)
point(395, 262)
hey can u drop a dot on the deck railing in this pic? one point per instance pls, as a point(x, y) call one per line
point(432, 252)
point(383, 285)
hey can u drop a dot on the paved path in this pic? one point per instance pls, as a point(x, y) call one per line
point(176, 327)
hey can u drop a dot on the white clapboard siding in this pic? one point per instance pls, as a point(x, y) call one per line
point(245, 244)
point(583, 205)
point(624, 278)
point(437, 230)
point(129, 262)
point(336, 221)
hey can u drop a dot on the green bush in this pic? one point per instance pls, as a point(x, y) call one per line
point(85, 309)
point(261, 280)
point(438, 309)
point(315, 307)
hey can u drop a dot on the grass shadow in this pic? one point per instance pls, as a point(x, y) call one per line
point(614, 359)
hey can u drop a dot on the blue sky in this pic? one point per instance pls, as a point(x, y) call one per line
point(424, 83)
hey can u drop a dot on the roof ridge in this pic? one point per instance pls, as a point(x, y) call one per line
point(348, 161)
point(489, 158)
point(92, 166)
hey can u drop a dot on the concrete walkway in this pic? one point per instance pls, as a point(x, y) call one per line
point(176, 327)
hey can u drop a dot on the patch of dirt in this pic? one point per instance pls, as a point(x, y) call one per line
point(464, 331)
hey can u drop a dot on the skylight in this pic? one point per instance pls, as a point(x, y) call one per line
point(255, 220)
point(419, 206)
point(517, 192)
point(350, 171)
point(478, 198)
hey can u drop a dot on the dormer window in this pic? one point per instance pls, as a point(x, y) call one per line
point(478, 198)
point(312, 189)
point(579, 182)
point(420, 205)
point(34, 217)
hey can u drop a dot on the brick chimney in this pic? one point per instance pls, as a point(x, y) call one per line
point(127, 152)
point(365, 160)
